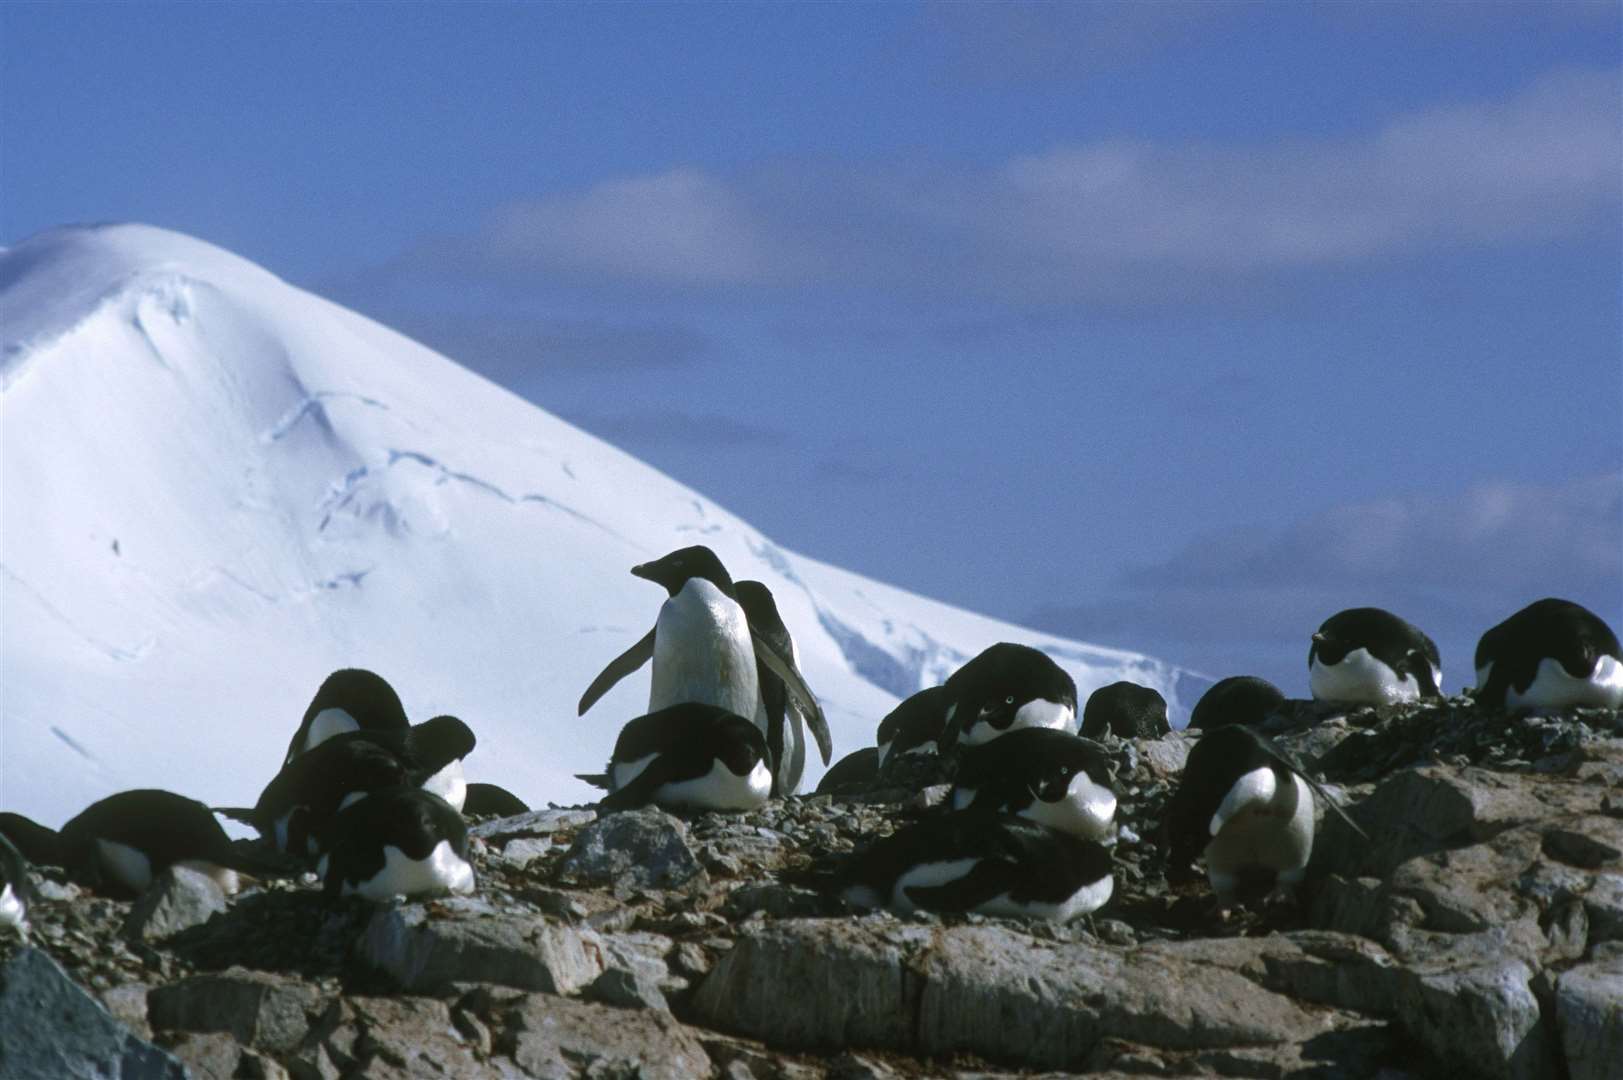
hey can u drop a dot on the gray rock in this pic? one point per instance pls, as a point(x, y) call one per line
point(178, 899)
point(1486, 1015)
point(822, 984)
point(552, 1037)
point(50, 1027)
point(423, 952)
point(637, 849)
point(1589, 1016)
point(258, 1009)
point(525, 850)
point(1603, 902)
point(535, 823)
point(413, 1037)
point(211, 1056)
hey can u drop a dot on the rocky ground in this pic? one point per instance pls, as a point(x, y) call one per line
point(1478, 931)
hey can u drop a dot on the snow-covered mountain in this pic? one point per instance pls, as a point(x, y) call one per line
point(218, 488)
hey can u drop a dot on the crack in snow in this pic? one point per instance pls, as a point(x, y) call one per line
point(115, 652)
point(311, 403)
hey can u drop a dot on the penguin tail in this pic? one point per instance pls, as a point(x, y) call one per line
point(245, 814)
point(249, 859)
point(597, 780)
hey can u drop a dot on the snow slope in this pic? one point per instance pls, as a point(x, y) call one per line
point(218, 488)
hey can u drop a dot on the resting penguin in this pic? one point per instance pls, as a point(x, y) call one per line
point(1367, 656)
point(703, 648)
point(119, 844)
point(400, 842)
point(1238, 699)
point(914, 726)
point(689, 755)
point(1051, 777)
point(297, 806)
point(994, 864)
point(1247, 807)
point(1126, 710)
point(16, 891)
point(490, 800)
point(776, 714)
point(1552, 654)
point(857, 770)
point(350, 699)
point(1007, 687)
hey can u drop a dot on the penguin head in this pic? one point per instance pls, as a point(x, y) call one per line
point(365, 695)
point(759, 607)
point(741, 745)
point(441, 740)
point(674, 570)
point(1238, 699)
point(992, 692)
point(1073, 764)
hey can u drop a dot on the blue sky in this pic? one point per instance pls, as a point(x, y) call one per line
point(1176, 327)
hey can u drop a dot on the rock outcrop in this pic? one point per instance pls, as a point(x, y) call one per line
point(1477, 932)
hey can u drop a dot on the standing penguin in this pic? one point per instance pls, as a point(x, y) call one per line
point(689, 755)
point(703, 648)
point(119, 844)
point(777, 715)
point(400, 842)
point(1247, 807)
point(350, 699)
point(1368, 656)
point(915, 725)
point(994, 864)
point(1552, 654)
point(1051, 777)
point(16, 891)
point(1006, 687)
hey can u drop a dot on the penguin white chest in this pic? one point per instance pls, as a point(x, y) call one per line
point(12, 913)
point(703, 652)
point(1553, 688)
point(1362, 679)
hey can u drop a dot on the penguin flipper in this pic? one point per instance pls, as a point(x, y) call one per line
point(773, 661)
point(640, 791)
point(621, 666)
point(1318, 789)
point(1420, 668)
point(984, 882)
point(597, 780)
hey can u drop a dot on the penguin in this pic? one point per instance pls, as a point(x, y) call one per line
point(119, 844)
point(915, 726)
point(300, 802)
point(1126, 710)
point(1006, 687)
point(16, 890)
point(488, 800)
point(689, 755)
point(1248, 808)
point(1238, 699)
point(401, 842)
point(1051, 777)
point(1367, 656)
point(1552, 654)
point(994, 864)
point(857, 770)
point(776, 714)
point(703, 648)
point(350, 699)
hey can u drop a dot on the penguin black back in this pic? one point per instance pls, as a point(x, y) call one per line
point(1509, 656)
point(689, 754)
point(349, 696)
point(1126, 710)
point(917, 722)
point(761, 611)
point(1238, 699)
point(487, 800)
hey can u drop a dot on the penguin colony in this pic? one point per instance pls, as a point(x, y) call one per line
point(368, 804)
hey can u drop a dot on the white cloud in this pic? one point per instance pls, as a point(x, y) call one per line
point(1139, 219)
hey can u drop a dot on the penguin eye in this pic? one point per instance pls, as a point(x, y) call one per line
point(1009, 700)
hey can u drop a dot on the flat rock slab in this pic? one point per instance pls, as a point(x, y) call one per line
point(258, 1009)
point(1589, 1014)
point(178, 900)
point(535, 823)
point(552, 1037)
point(428, 946)
point(50, 1027)
point(832, 984)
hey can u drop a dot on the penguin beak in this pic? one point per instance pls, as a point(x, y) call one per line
point(1321, 638)
point(645, 571)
